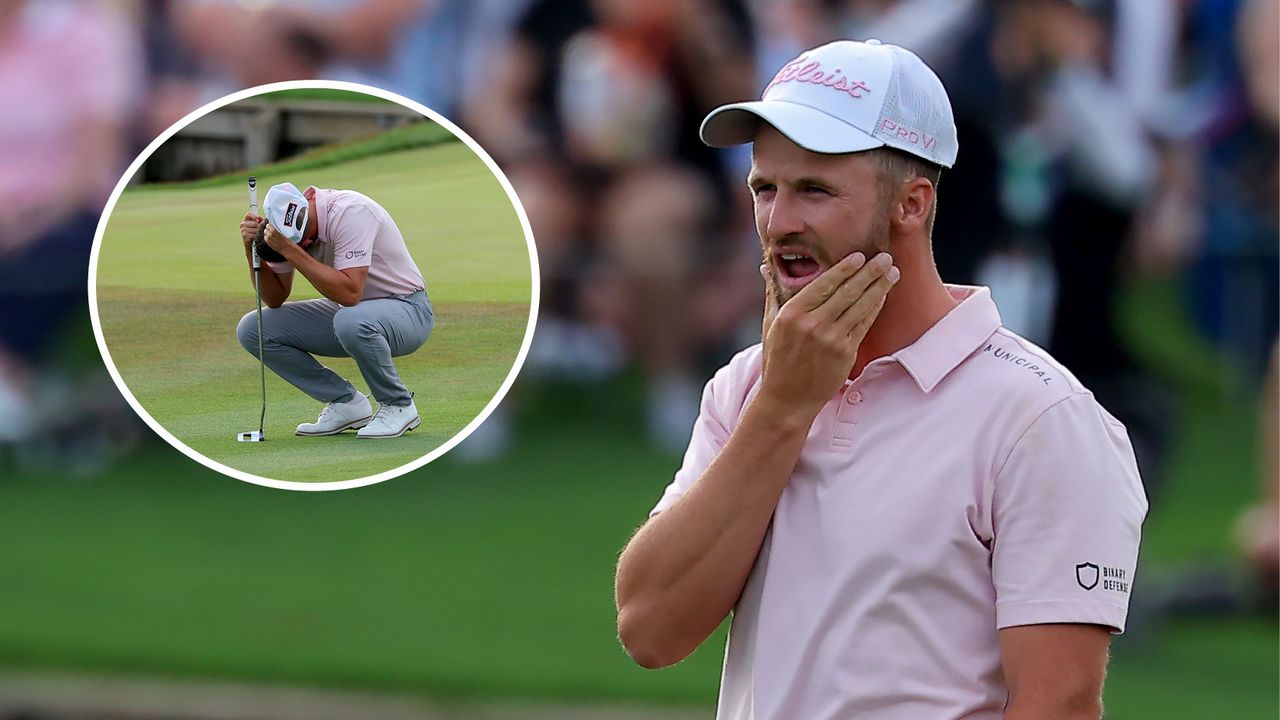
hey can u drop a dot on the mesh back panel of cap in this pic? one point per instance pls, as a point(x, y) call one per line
point(915, 124)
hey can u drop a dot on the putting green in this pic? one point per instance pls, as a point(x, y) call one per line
point(172, 284)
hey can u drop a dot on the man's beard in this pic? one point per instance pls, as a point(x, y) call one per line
point(875, 241)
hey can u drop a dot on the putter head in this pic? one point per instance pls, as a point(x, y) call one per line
point(251, 436)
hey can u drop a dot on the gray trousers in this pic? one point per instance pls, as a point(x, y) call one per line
point(371, 332)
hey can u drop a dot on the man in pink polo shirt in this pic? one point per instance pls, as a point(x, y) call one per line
point(375, 305)
point(911, 512)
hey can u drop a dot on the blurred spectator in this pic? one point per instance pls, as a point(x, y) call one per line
point(242, 45)
point(412, 47)
point(69, 76)
point(609, 82)
point(1258, 32)
point(1235, 45)
point(426, 50)
point(173, 77)
point(603, 99)
point(1215, 208)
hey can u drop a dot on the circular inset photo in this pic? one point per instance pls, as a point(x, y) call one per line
point(313, 285)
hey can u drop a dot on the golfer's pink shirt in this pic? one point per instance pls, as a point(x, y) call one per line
point(965, 484)
point(363, 234)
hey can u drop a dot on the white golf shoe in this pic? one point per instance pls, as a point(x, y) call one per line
point(391, 421)
point(336, 417)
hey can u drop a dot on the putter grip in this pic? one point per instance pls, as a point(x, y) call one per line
point(253, 209)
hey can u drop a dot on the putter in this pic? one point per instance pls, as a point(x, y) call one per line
point(257, 435)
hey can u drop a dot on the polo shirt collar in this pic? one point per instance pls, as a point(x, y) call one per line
point(952, 339)
point(322, 211)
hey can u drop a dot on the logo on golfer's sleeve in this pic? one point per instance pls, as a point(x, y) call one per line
point(1087, 575)
point(1113, 579)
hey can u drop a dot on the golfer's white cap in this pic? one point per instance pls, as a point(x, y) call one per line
point(287, 210)
point(848, 96)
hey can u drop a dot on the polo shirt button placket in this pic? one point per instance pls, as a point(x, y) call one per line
point(846, 419)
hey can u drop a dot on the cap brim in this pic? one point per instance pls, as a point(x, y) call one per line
point(807, 127)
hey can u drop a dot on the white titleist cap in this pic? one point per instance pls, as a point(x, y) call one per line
point(286, 209)
point(844, 97)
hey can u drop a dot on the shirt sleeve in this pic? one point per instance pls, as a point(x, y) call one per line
point(1067, 512)
point(353, 239)
point(710, 433)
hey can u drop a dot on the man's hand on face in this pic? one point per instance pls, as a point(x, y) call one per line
point(770, 310)
point(811, 341)
point(276, 241)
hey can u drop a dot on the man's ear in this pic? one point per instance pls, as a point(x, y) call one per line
point(915, 204)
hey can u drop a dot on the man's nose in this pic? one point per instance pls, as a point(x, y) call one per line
point(784, 216)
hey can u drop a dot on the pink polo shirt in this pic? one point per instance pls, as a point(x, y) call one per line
point(355, 231)
point(964, 484)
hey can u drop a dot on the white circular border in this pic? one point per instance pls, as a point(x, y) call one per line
point(324, 85)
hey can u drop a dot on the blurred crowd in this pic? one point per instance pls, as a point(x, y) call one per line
point(1102, 141)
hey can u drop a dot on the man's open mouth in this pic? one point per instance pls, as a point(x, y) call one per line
point(796, 268)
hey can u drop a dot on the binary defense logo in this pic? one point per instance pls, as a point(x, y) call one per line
point(1115, 579)
point(1087, 575)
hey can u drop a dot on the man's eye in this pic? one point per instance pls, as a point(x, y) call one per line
point(762, 188)
point(816, 190)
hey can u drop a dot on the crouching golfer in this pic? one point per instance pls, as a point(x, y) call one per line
point(375, 305)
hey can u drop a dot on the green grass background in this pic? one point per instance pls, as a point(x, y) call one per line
point(172, 284)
